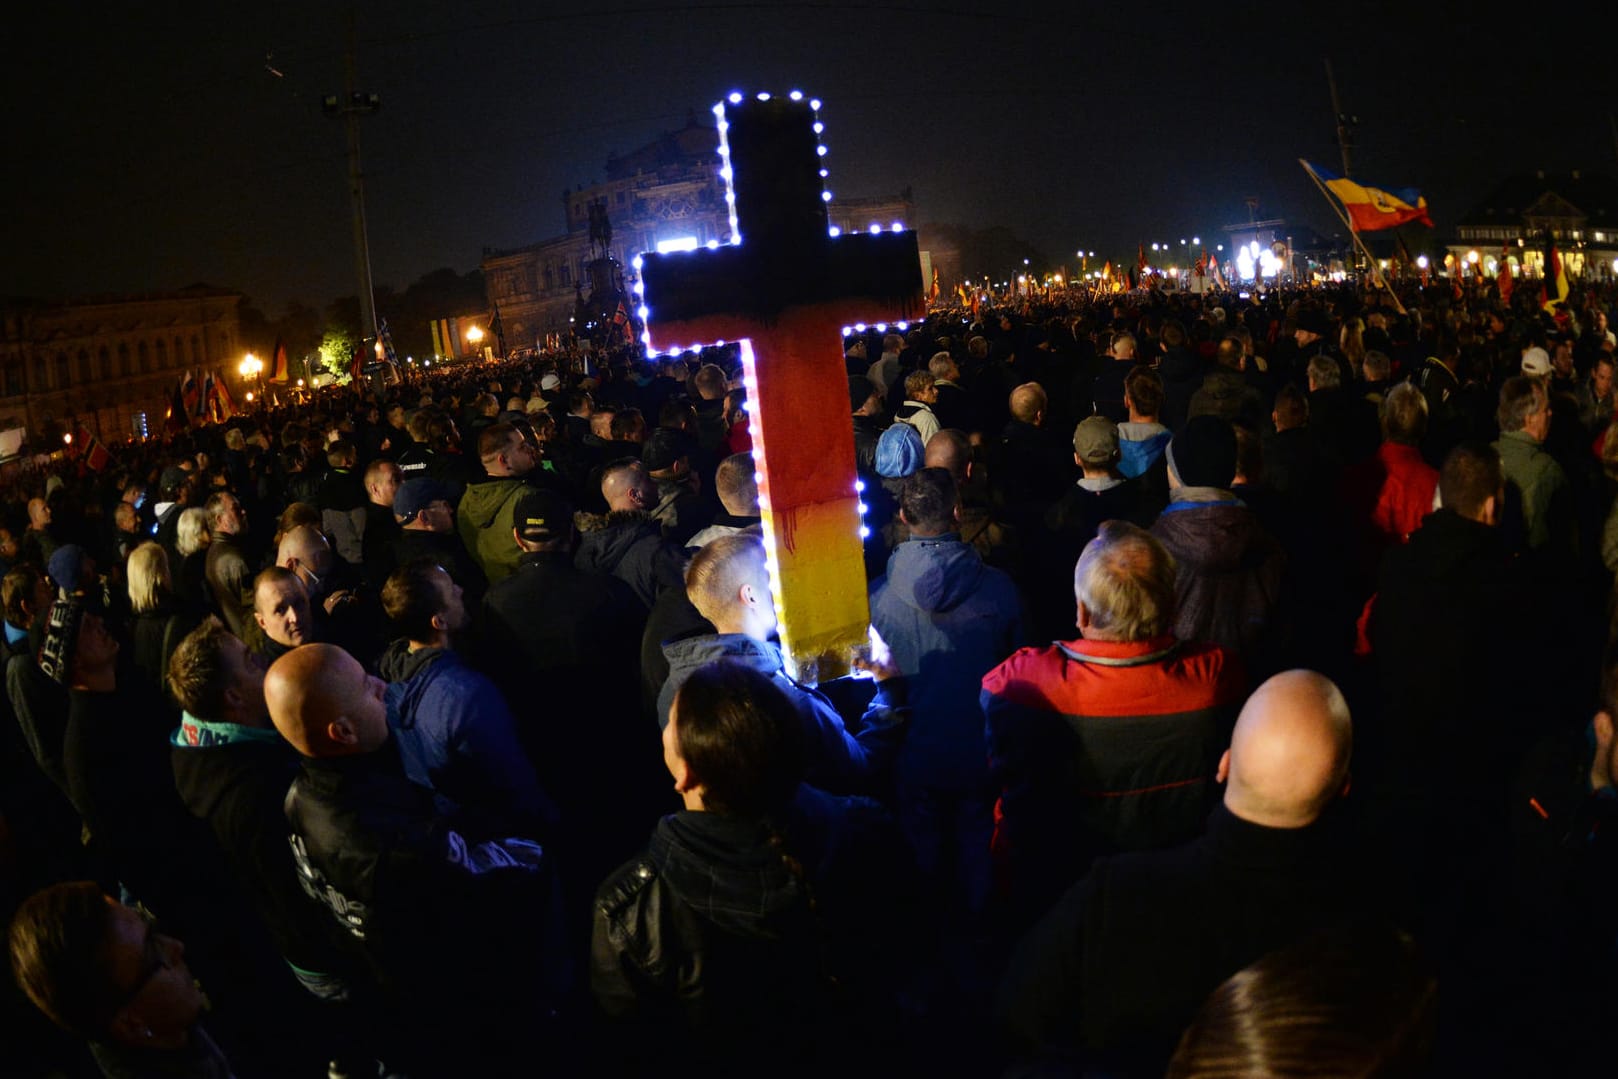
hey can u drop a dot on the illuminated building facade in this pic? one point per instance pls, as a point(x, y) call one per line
point(1577, 210)
point(668, 193)
point(105, 361)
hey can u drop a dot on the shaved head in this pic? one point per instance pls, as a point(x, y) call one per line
point(1028, 401)
point(626, 485)
point(324, 704)
point(1289, 753)
point(308, 545)
point(950, 450)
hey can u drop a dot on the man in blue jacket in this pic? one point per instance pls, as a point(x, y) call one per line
point(729, 585)
point(453, 728)
point(948, 620)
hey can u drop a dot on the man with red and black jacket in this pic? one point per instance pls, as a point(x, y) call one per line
point(1109, 742)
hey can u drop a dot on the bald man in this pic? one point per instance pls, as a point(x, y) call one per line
point(445, 914)
point(951, 450)
point(631, 546)
point(1121, 963)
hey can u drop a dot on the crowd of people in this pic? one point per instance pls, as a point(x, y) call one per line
point(1241, 701)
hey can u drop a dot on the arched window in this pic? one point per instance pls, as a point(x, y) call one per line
point(64, 376)
point(196, 353)
point(14, 381)
point(103, 363)
point(162, 350)
point(143, 357)
point(179, 350)
point(550, 279)
point(39, 374)
point(123, 358)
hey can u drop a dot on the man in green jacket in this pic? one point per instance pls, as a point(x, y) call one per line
point(484, 519)
point(1535, 483)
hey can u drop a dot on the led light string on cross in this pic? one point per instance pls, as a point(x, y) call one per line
point(759, 428)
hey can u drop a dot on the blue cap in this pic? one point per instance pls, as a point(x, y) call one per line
point(416, 495)
point(899, 451)
point(66, 567)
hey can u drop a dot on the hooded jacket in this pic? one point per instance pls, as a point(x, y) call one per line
point(484, 521)
point(1226, 394)
point(948, 619)
point(456, 734)
point(1140, 446)
point(1229, 570)
point(710, 940)
point(836, 760)
point(631, 548)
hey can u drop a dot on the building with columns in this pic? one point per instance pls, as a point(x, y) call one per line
point(1577, 210)
point(666, 192)
point(110, 362)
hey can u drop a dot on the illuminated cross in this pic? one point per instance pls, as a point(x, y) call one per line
point(782, 289)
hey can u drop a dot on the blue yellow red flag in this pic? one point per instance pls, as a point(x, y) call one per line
point(1372, 208)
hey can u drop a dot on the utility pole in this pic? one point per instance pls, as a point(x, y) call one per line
point(352, 105)
point(1345, 122)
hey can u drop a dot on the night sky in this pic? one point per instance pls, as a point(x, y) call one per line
point(149, 149)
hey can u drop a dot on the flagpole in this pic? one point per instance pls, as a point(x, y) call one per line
point(1354, 234)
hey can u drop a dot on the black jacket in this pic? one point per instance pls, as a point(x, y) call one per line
point(631, 547)
point(709, 945)
point(235, 779)
point(449, 916)
point(1119, 966)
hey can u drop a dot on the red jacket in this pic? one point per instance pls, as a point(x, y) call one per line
point(1101, 746)
point(1406, 492)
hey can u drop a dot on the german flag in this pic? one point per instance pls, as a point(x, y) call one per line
point(1555, 288)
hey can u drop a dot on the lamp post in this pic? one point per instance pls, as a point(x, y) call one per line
point(475, 337)
point(251, 369)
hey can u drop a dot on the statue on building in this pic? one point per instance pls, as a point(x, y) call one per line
point(600, 225)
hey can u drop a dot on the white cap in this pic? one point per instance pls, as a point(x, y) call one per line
point(551, 382)
point(1536, 361)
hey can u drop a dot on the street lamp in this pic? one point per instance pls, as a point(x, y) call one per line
point(251, 369)
point(475, 336)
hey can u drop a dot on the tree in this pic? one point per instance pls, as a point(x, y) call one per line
point(337, 352)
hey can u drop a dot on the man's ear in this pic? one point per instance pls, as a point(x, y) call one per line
point(1223, 773)
point(1603, 727)
point(1491, 510)
point(438, 622)
point(259, 619)
point(686, 780)
point(342, 733)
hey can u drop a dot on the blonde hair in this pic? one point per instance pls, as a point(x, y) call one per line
point(1125, 579)
point(719, 570)
point(149, 579)
point(192, 533)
